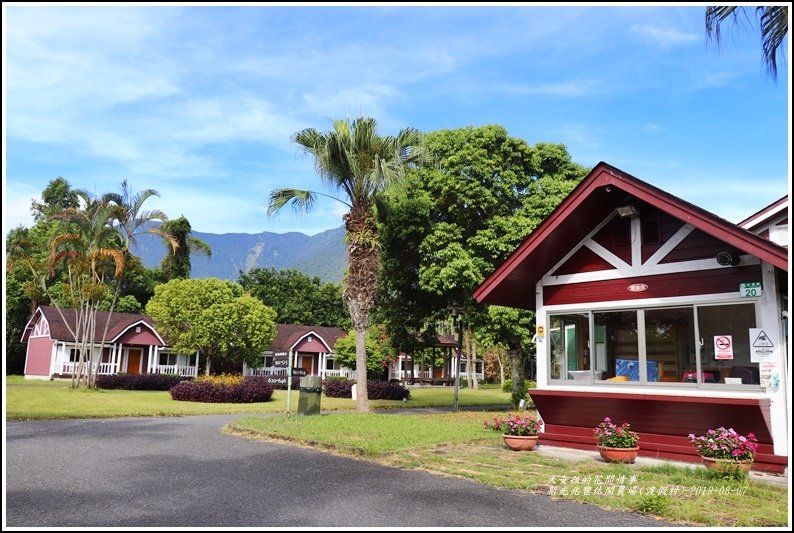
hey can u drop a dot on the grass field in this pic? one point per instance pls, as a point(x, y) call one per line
point(32, 400)
point(456, 444)
point(445, 443)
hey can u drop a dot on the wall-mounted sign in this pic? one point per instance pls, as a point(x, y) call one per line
point(723, 347)
point(638, 287)
point(762, 345)
point(750, 290)
point(540, 331)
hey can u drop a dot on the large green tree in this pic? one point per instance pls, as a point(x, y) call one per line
point(379, 350)
point(296, 297)
point(449, 225)
point(213, 317)
point(357, 164)
point(772, 22)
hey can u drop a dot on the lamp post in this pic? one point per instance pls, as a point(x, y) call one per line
point(459, 323)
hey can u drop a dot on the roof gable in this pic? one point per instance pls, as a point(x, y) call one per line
point(119, 323)
point(289, 335)
point(599, 193)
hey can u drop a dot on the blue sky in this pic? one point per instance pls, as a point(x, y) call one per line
point(200, 103)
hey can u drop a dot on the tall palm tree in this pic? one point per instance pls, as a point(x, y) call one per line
point(773, 21)
point(177, 264)
point(132, 218)
point(92, 252)
point(353, 159)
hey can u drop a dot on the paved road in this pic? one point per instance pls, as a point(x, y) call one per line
point(184, 472)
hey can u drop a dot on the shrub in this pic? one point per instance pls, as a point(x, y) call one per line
point(139, 381)
point(376, 390)
point(249, 390)
point(335, 388)
point(381, 390)
point(508, 385)
point(335, 378)
point(221, 379)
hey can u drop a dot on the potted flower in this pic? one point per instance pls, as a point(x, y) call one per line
point(725, 451)
point(617, 444)
point(519, 432)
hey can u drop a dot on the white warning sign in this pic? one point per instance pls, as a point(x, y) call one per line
point(762, 345)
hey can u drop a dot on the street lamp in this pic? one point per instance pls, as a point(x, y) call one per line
point(456, 320)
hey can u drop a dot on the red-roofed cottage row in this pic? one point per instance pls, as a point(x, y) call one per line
point(134, 346)
point(652, 311)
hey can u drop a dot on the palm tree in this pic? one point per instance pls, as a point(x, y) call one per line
point(92, 252)
point(131, 217)
point(773, 21)
point(354, 159)
point(177, 264)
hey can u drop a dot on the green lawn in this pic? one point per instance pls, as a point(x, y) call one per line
point(456, 444)
point(33, 399)
point(446, 443)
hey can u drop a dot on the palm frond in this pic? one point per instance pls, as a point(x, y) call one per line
point(198, 246)
point(301, 200)
point(170, 239)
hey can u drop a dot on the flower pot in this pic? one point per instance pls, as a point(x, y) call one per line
point(515, 442)
point(619, 455)
point(727, 466)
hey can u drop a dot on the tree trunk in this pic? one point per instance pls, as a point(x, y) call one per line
point(501, 370)
point(362, 400)
point(516, 375)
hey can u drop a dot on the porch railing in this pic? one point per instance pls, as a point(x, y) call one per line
point(70, 367)
point(184, 371)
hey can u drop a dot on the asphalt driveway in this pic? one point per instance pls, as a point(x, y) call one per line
point(184, 472)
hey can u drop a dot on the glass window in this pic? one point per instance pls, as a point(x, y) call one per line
point(570, 347)
point(670, 344)
point(74, 355)
point(167, 358)
point(725, 344)
point(616, 346)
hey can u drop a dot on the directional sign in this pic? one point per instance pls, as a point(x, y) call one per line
point(723, 347)
point(762, 345)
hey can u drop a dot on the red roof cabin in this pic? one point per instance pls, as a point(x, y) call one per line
point(653, 311)
point(132, 345)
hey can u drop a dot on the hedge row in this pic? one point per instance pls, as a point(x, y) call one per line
point(250, 390)
point(376, 390)
point(139, 381)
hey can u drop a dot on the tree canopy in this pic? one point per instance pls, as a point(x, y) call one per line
point(297, 298)
point(213, 317)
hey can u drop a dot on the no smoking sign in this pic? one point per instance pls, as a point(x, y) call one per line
point(723, 347)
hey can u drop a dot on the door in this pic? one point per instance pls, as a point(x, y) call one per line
point(134, 361)
point(306, 364)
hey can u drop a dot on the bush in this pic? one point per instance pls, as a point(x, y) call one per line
point(508, 385)
point(339, 388)
point(221, 379)
point(381, 390)
point(139, 381)
point(249, 390)
point(335, 378)
point(376, 390)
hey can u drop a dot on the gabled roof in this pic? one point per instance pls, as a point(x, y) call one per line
point(287, 335)
point(605, 188)
point(765, 214)
point(119, 323)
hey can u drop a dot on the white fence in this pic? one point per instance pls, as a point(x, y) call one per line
point(184, 371)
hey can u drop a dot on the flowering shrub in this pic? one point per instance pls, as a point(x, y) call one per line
point(610, 435)
point(249, 390)
point(225, 380)
point(724, 443)
point(517, 425)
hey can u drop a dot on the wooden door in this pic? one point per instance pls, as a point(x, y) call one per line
point(306, 364)
point(134, 361)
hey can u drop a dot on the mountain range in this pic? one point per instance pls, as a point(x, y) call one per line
point(323, 255)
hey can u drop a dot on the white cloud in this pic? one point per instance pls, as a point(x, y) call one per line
point(665, 37)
